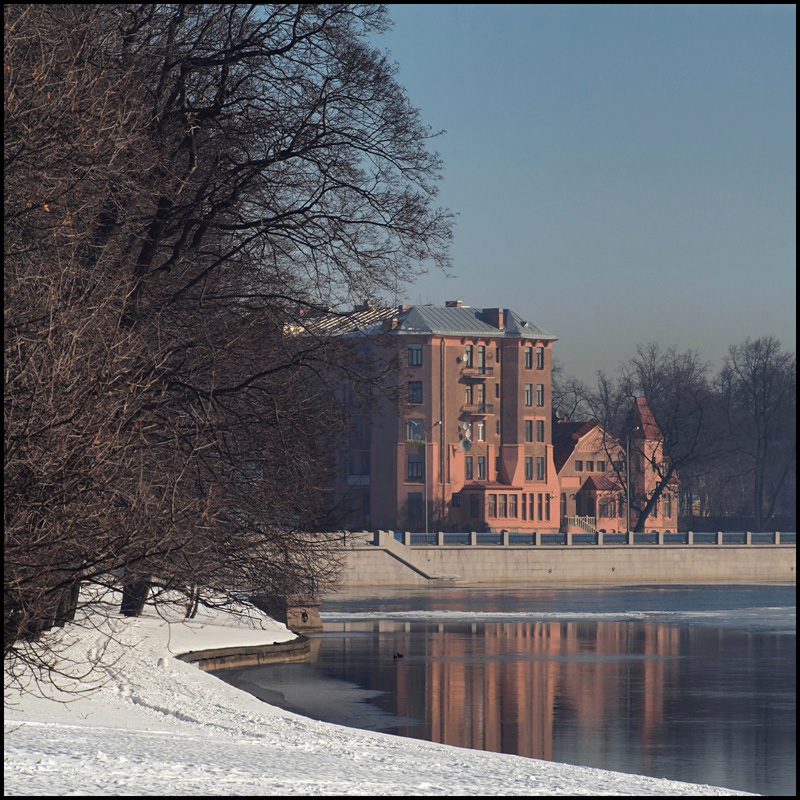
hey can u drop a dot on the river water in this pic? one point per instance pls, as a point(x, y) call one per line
point(692, 683)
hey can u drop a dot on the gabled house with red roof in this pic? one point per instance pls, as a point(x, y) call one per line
point(591, 467)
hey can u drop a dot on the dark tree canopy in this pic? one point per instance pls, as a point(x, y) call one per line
point(758, 391)
point(183, 183)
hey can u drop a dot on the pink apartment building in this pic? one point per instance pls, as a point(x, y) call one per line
point(471, 449)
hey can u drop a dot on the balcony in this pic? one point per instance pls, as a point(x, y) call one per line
point(477, 372)
point(478, 409)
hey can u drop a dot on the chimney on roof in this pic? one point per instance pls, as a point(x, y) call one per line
point(452, 303)
point(495, 316)
point(365, 306)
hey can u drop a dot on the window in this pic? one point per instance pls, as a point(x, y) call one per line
point(528, 358)
point(481, 358)
point(468, 468)
point(468, 356)
point(607, 507)
point(358, 431)
point(524, 506)
point(654, 509)
point(468, 394)
point(456, 502)
point(415, 507)
point(579, 466)
point(501, 505)
point(539, 506)
point(540, 468)
point(539, 430)
point(415, 392)
point(415, 355)
point(497, 354)
point(590, 466)
point(481, 468)
point(414, 430)
point(540, 394)
point(497, 427)
point(547, 507)
point(480, 394)
point(529, 468)
point(512, 505)
point(474, 505)
point(491, 510)
point(528, 394)
point(497, 391)
point(358, 462)
point(667, 506)
point(480, 431)
point(528, 430)
point(601, 466)
point(414, 468)
point(540, 358)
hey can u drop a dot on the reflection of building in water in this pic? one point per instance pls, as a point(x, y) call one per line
point(506, 690)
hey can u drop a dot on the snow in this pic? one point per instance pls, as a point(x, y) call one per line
point(155, 725)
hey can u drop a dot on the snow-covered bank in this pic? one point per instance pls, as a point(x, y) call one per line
point(159, 726)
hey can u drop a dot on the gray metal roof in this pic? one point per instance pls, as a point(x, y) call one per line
point(466, 321)
point(441, 320)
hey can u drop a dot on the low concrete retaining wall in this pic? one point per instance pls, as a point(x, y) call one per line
point(298, 649)
point(386, 561)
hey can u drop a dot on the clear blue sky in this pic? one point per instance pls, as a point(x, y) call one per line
point(622, 173)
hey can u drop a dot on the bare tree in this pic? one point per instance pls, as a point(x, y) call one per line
point(184, 183)
point(758, 388)
point(569, 395)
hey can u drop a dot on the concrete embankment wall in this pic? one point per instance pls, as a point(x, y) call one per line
point(391, 563)
point(298, 649)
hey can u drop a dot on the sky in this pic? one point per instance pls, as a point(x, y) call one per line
point(158, 726)
point(622, 174)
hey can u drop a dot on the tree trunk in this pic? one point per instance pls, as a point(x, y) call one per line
point(134, 596)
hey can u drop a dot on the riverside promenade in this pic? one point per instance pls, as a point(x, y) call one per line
point(403, 558)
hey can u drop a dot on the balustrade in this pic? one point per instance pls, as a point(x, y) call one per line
point(589, 536)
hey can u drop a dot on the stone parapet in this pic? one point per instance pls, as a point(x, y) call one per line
point(627, 563)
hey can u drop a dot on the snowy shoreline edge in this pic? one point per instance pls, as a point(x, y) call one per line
point(213, 659)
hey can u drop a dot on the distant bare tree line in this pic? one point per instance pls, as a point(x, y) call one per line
point(731, 438)
point(183, 185)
